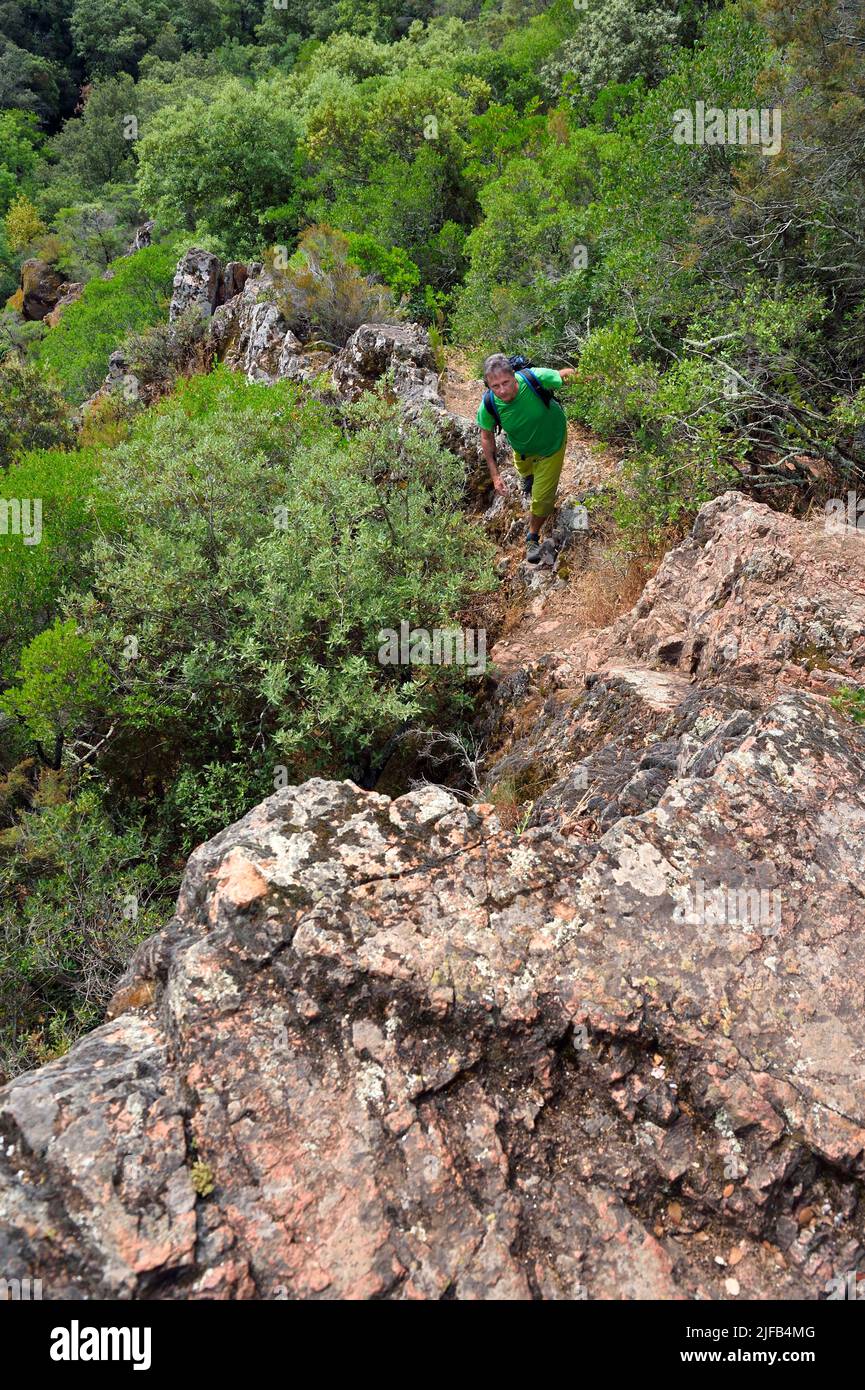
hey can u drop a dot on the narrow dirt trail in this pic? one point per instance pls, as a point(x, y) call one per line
point(550, 606)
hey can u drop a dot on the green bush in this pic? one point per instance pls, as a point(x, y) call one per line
point(60, 683)
point(76, 504)
point(77, 895)
point(226, 164)
point(33, 414)
point(263, 550)
point(76, 351)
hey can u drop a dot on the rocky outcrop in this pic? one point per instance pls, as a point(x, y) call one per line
point(376, 348)
point(69, 293)
point(249, 333)
point(142, 238)
point(42, 286)
point(752, 605)
point(752, 594)
point(196, 284)
point(389, 1048)
point(404, 351)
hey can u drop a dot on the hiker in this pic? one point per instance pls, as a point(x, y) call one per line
point(519, 400)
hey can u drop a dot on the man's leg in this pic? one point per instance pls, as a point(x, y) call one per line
point(547, 472)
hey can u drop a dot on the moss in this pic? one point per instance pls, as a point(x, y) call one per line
point(812, 657)
point(202, 1178)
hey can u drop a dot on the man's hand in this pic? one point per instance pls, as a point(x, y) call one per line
point(566, 373)
point(500, 485)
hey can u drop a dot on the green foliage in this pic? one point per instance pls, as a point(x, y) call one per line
point(222, 164)
point(392, 265)
point(76, 351)
point(850, 701)
point(19, 145)
point(77, 895)
point(60, 683)
point(33, 414)
point(201, 1176)
point(323, 294)
point(95, 149)
point(112, 35)
point(75, 505)
point(262, 553)
point(522, 286)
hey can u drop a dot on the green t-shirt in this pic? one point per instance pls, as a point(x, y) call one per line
point(531, 427)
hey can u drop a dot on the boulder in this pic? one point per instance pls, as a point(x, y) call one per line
point(42, 287)
point(70, 292)
point(196, 284)
point(142, 238)
point(376, 348)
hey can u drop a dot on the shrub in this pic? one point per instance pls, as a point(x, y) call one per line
point(615, 42)
point(60, 683)
point(77, 895)
point(262, 553)
point(323, 292)
point(76, 504)
point(159, 355)
point(33, 414)
point(22, 224)
point(76, 351)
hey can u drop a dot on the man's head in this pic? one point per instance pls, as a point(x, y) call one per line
point(500, 376)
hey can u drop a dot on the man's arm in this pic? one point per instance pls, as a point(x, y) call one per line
point(488, 444)
point(552, 377)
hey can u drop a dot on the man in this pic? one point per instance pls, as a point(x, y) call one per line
point(536, 430)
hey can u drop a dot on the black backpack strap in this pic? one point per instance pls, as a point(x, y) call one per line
point(529, 377)
point(490, 407)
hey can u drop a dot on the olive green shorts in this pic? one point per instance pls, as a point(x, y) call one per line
point(547, 472)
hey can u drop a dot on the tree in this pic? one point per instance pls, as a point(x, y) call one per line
point(33, 414)
point(22, 224)
point(96, 147)
point(221, 165)
point(19, 153)
point(61, 683)
point(31, 82)
point(615, 42)
point(112, 35)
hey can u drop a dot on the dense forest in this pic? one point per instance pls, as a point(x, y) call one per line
point(668, 197)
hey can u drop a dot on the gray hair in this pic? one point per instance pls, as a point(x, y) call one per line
point(497, 360)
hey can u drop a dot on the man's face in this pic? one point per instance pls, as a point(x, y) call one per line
point(503, 384)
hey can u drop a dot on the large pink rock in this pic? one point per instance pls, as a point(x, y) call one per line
point(418, 1056)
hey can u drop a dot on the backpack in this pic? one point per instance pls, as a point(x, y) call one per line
point(522, 367)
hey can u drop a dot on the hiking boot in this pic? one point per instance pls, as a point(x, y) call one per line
point(533, 549)
point(528, 484)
